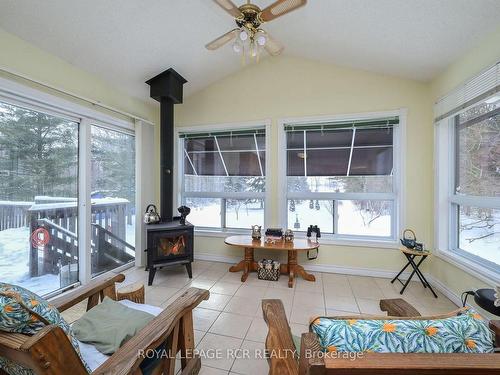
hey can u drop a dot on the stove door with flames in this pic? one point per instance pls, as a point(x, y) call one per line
point(169, 246)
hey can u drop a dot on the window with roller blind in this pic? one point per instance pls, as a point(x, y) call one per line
point(224, 177)
point(475, 201)
point(341, 176)
point(468, 174)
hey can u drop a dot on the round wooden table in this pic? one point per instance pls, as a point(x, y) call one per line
point(248, 264)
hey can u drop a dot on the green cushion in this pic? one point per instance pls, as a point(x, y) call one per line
point(109, 325)
point(296, 342)
point(466, 333)
point(22, 311)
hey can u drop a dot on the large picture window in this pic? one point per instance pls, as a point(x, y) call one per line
point(113, 198)
point(475, 224)
point(42, 190)
point(341, 177)
point(224, 178)
point(38, 199)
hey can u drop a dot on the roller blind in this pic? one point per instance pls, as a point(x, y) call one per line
point(225, 153)
point(325, 126)
point(359, 148)
point(225, 133)
point(473, 91)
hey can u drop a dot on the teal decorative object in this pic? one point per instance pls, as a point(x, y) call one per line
point(466, 333)
point(22, 311)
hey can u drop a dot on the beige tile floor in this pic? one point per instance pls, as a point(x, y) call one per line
point(232, 317)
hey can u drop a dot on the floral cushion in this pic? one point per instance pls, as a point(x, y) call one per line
point(22, 311)
point(465, 333)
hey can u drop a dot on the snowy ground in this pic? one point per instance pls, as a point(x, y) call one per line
point(481, 240)
point(350, 220)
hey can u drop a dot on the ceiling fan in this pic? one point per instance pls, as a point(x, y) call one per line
point(248, 37)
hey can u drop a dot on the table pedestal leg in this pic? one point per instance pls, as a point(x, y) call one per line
point(246, 265)
point(294, 269)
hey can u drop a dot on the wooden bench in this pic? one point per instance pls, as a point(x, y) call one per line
point(284, 359)
point(50, 351)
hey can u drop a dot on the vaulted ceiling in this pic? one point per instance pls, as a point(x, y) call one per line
point(126, 42)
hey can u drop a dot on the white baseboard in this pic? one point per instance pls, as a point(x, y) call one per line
point(216, 258)
point(372, 272)
point(451, 295)
point(356, 271)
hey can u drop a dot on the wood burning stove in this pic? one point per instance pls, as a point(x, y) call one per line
point(169, 242)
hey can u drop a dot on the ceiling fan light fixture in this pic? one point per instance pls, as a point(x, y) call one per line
point(237, 46)
point(248, 36)
point(261, 38)
point(254, 50)
point(243, 35)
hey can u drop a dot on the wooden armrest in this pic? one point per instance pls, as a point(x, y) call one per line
point(128, 358)
point(67, 300)
point(414, 363)
point(398, 307)
point(279, 339)
point(495, 327)
point(311, 358)
point(49, 351)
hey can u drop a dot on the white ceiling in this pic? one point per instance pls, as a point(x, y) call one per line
point(127, 42)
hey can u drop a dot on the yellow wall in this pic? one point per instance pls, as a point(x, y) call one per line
point(23, 58)
point(484, 55)
point(290, 87)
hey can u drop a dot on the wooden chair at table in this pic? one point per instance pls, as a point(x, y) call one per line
point(280, 345)
point(50, 351)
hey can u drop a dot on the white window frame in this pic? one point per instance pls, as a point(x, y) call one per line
point(17, 94)
point(446, 201)
point(179, 172)
point(397, 196)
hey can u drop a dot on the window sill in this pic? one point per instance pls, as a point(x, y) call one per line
point(478, 271)
point(360, 242)
point(325, 240)
point(220, 233)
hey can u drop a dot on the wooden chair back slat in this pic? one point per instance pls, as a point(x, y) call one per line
point(186, 338)
point(279, 338)
point(70, 299)
point(12, 340)
point(172, 345)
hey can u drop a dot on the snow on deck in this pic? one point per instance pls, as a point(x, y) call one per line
point(14, 260)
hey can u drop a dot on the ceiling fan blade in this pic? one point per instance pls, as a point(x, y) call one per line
point(223, 39)
point(273, 47)
point(279, 8)
point(229, 7)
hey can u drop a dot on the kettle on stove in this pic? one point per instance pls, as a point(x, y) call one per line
point(151, 216)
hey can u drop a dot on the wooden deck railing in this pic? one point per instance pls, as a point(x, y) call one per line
point(60, 219)
point(13, 214)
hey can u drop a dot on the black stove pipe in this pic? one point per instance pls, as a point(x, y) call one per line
point(167, 88)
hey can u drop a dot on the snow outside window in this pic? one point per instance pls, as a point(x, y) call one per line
point(224, 178)
point(340, 176)
point(475, 198)
point(40, 242)
point(38, 199)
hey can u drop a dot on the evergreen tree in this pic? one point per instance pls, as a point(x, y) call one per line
point(39, 154)
point(113, 164)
